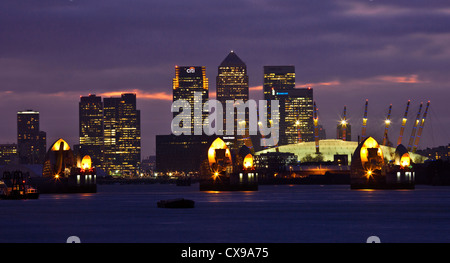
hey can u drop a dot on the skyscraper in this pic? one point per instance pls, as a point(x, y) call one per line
point(122, 135)
point(232, 79)
point(295, 105)
point(232, 84)
point(187, 81)
point(278, 78)
point(91, 128)
point(31, 142)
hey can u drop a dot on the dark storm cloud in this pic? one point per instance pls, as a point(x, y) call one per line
point(351, 49)
point(94, 35)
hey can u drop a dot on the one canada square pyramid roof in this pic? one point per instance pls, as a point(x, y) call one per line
point(232, 60)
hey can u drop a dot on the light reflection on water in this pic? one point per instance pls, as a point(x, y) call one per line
point(283, 213)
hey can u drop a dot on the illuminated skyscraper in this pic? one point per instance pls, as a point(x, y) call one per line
point(122, 135)
point(232, 79)
point(232, 84)
point(187, 81)
point(295, 105)
point(31, 142)
point(91, 128)
point(278, 78)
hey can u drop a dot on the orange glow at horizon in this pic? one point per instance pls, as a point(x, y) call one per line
point(413, 78)
point(312, 85)
point(139, 94)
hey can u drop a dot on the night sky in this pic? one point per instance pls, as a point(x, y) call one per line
point(52, 52)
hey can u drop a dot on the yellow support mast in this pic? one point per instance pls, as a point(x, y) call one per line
point(363, 132)
point(402, 128)
point(387, 124)
point(422, 123)
point(316, 128)
point(413, 132)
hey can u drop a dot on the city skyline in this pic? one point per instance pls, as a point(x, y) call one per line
point(347, 52)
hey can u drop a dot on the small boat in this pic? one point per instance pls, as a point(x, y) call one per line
point(176, 203)
point(17, 192)
point(15, 186)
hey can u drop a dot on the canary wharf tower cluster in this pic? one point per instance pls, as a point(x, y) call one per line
point(295, 110)
point(232, 85)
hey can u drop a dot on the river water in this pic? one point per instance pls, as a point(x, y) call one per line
point(275, 213)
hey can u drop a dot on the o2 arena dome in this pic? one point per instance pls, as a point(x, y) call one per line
point(330, 147)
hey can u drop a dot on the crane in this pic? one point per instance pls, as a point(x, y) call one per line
point(386, 128)
point(363, 132)
point(402, 128)
point(316, 128)
point(422, 123)
point(413, 132)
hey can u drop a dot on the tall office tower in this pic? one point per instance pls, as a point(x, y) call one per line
point(232, 84)
point(278, 78)
point(91, 128)
point(122, 136)
point(187, 81)
point(295, 105)
point(31, 142)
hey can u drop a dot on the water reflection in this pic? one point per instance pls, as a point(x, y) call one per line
point(67, 196)
point(230, 196)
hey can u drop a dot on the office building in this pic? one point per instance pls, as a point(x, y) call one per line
point(232, 84)
point(436, 153)
point(183, 153)
point(122, 136)
point(298, 115)
point(8, 153)
point(31, 141)
point(91, 128)
point(187, 81)
point(278, 78)
point(295, 105)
